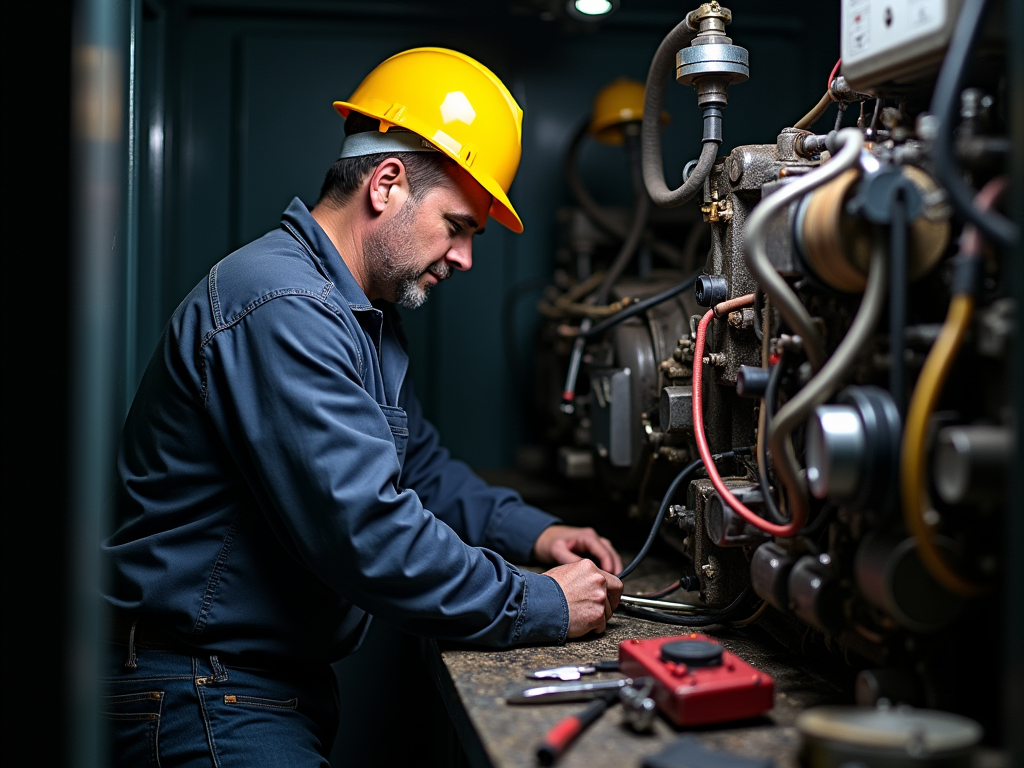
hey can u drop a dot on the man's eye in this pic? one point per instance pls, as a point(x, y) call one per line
point(454, 228)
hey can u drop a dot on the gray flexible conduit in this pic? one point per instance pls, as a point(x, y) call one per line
point(755, 248)
point(662, 65)
point(828, 379)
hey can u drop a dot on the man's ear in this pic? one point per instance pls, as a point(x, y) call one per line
point(388, 184)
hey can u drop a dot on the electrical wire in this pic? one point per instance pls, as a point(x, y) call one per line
point(662, 605)
point(764, 426)
point(824, 518)
point(756, 250)
point(703, 620)
point(797, 521)
point(898, 300)
point(824, 384)
point(640, 306)
point(588, 329)
point(995, 227)
point(832, 75)
point(664, 591)
point(666, 500)
point(914, 456)
point(752, 618)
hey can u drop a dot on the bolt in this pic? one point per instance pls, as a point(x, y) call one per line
point(735, 169)
point(742, 318)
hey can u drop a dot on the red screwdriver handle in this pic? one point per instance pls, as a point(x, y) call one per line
point(565, 731)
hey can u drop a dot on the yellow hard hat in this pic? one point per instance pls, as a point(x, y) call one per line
point(618, 103)
point(456, 104)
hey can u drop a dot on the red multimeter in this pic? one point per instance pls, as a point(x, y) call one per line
point(697, 681)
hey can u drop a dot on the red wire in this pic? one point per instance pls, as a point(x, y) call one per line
point(789, 529)
point(831, 77)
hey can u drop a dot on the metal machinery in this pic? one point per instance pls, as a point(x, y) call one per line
point(849, 355)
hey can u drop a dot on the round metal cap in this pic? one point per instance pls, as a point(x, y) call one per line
point(835, 451)
point(970, 462)
point(730, 62)
point(910, 731)
point(692, 653)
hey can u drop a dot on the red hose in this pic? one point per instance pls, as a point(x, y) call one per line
point(793, 526)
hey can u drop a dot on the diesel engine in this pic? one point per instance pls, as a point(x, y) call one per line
point(804, 387)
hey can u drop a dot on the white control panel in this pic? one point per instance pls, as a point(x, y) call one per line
point(885, 39)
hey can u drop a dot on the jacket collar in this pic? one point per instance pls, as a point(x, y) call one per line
point(300, 222)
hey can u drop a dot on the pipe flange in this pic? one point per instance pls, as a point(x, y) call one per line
point(731, 63)
point(853, 449)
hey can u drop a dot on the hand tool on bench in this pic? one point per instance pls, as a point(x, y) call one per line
point(574, 672)
point(551, 694)
point(565, 731)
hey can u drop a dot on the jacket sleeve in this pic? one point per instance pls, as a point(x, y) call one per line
point(483, 515)
point(318, 453)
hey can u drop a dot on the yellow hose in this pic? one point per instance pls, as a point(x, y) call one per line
point(913, 459)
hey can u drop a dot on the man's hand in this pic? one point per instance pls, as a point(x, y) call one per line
point(566, 544)
point(591, 593)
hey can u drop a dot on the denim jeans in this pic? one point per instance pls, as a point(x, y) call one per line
point(178, 710)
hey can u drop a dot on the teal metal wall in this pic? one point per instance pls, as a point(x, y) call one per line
point(235, 118)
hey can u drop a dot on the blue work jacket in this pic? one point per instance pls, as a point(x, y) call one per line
point(278, 482)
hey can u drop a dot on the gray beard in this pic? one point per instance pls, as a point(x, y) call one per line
point(391, 261)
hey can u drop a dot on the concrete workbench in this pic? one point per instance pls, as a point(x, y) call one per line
point(474, 684)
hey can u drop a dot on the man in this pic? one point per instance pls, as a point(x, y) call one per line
point(278, 482)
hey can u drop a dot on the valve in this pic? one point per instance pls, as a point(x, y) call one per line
point(711, 64)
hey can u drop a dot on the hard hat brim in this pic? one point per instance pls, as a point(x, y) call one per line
point(501, 207)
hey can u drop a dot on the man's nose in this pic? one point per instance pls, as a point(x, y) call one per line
point(461, 257)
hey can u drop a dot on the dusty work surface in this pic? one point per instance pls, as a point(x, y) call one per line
point(506, 736)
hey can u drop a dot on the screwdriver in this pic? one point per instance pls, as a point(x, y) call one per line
point(565, 731)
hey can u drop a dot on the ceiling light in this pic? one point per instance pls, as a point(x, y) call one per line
point(591, 9)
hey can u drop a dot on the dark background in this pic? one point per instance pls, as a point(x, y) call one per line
point(223, 113)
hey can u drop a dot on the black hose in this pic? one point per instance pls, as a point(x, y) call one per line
point(662, 66)
point(898, 301)
point(997, 228)
point(666, 500)
point(770, 398)
point(824, 518)
point(640, 306)
point(703, 620)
